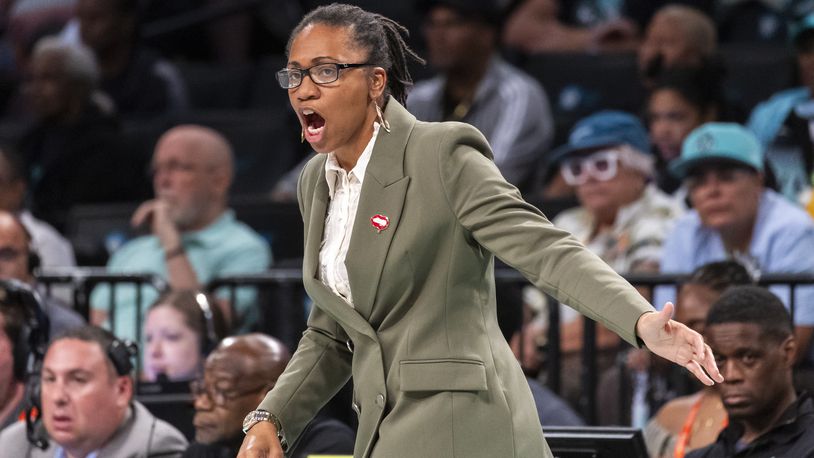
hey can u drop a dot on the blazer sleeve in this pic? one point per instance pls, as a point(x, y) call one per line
point(317, 371)
point(499, 220)
point(320, 366)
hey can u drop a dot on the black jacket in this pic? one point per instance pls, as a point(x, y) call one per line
point(792, 436)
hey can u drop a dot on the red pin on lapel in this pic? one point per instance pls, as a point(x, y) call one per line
point(380, 222)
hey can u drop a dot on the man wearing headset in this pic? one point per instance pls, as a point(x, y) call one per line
point(12, 368)
point(88, 409)
point(18, 260)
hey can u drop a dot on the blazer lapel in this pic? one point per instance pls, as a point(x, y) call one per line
point(316, 224)
point(383, 193)
point(322, 296)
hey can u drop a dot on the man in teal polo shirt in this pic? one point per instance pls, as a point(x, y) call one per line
point(194, 236)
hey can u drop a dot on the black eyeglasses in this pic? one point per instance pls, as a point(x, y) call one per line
point(289, 78)
point(217, 396)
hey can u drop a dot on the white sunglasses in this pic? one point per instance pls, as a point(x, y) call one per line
point(601, 165)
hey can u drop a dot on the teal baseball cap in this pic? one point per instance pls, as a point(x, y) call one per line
point(718, 142)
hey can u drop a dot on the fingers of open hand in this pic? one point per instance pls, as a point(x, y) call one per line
point(710, 366)
point(699, 373)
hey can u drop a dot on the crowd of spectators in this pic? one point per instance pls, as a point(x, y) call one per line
point(691, 179)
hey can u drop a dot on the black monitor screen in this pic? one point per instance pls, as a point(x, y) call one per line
point(595, 442)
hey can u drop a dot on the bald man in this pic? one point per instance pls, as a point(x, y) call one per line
point(677, 36)
point(194, 236)
point(237, 375)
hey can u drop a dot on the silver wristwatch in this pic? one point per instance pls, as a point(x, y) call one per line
point(256, 416)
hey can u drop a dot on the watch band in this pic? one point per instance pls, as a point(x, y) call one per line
point(280, 436)
point(256, 416)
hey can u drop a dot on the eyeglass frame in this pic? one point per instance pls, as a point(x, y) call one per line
point(307, 71)
point(625, 154)
point(588, 165)
point(219, 397)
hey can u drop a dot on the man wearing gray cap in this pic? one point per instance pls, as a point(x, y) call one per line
point(735, 217)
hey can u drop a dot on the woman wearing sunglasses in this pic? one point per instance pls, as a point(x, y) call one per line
point(622, 217)
point(402, 222)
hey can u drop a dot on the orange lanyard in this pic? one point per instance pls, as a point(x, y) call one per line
point(686, 430)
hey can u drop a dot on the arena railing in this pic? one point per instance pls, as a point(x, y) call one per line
point(290, 317)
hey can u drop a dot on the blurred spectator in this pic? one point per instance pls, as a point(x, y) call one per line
point(622, 217)
point(521, 329)
point(194, 236)
point(13, 360)
point(477, 86)
point(582, 26)
point(782, 123)
point(181, 328)
point(677, 36)
point(138, 80)
point(23, 19)
point(755, 356)
point(18, 261)
point(87, 405)
point(51, 247)
point(757, 22)
point(72, 152)
point(694, 421)
point(735, 216)
point(680, 101)
point(237, 376)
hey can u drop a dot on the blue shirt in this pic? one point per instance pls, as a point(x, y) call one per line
point(782, 242)
point(60, 453)
point(225, 247)
point(766, 121)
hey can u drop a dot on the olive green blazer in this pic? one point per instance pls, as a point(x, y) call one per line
point(433, 375)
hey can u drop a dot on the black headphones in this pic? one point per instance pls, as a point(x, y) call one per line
point(121, 354)
point(29, 350)
point(30, 344)
point(209, 339)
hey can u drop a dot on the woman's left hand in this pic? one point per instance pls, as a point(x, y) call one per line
point(678, 343)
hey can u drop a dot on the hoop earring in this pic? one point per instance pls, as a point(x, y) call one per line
point(382, 121)
point(302, 137)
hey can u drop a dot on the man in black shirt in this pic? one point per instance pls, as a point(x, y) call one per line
point(237, 375)
point(751, 336)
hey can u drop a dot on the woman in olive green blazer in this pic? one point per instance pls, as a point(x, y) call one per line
point(433, 375)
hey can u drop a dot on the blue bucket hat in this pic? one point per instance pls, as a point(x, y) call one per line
point(716, 142)
point(605, 128)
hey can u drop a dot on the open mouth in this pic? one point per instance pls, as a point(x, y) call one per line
point(314, 124)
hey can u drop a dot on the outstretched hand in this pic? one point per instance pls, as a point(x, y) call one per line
point(678, 343)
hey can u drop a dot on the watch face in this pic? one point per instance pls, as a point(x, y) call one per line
point(253, 417)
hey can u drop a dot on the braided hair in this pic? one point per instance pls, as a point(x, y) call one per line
point(380, 36)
